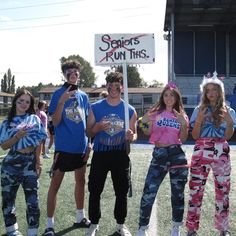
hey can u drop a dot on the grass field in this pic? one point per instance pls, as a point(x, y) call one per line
point(140, 157)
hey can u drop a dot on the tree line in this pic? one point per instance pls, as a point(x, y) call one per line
point(87, 77)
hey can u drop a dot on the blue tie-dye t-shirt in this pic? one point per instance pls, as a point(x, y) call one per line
point(208, 130)
point(29, 123)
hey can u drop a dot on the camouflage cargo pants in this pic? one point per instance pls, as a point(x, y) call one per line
point(19, 169)
point(169, 159)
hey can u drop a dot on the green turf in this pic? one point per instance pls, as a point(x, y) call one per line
point(65, 211)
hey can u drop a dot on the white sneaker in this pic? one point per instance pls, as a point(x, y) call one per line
point(93, 228)
point(122, 230)
point(46, 156)
point(47, 150)
point(175, 231)
point(142, 231)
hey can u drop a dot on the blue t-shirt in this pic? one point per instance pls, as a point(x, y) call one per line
point(70, 132)
point(208, 130)
point(30, 123)
point(114, 138)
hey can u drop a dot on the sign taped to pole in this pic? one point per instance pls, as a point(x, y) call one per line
point(113, 49)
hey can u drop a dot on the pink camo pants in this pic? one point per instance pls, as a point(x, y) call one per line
point(209, 154)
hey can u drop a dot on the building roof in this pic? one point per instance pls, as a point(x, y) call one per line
point(99, 90)
point(3, 94)
point(219, 15)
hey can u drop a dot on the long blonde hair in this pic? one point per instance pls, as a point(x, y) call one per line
point(217, 110)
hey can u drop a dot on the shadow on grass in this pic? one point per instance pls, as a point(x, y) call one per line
point(114, 234)
point(65, 231)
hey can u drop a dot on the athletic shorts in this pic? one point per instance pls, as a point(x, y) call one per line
point(65, 161)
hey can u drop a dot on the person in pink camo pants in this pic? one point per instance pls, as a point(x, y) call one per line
point(213, 124)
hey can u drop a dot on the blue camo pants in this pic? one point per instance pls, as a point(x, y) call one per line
point(19, 169)
point(169, 159)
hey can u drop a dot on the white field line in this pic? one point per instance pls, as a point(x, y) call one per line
point(152, 230)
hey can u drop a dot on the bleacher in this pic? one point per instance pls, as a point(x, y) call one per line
point(190, 85)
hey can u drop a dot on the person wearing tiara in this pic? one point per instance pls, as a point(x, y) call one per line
point(213, 124)
point(167, 124)
point(69, 109)
point(22, 133)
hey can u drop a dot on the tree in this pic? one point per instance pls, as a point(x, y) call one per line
point(87, 76)
point(34, 89)
point(155, 84)
point(8, 82)
point(133, 76)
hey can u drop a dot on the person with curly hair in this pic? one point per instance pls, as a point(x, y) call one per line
point(106, 124)
point(69, 108)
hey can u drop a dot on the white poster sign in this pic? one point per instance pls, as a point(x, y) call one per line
point(113, 49)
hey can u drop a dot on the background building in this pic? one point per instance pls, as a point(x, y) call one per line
point(201, 36)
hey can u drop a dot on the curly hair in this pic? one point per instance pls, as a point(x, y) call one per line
point(217, 110)
point(70, 64)
point(114, 77)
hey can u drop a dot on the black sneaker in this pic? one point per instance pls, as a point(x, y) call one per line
point(225, 233)
point(191, 233)
point(49, 232)
point(84, 223)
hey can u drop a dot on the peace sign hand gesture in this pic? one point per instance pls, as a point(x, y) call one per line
point(180, 117)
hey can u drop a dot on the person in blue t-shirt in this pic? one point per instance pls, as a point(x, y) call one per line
point(22, 133)
point(106, 124)
point(213, 125)
point(69, 108)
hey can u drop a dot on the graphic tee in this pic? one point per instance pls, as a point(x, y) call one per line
point(165, 128)
point(70, 132)
point(114, 138)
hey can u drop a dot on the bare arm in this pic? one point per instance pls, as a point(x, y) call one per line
point(38, 159)
point(184, 125)
point(94, 127)
point(56, 117)
point(198, 122)
point(11, 141)
point(229, 124)
point(131, 134)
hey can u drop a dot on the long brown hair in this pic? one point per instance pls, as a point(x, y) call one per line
point(160, 105)
point(12, 111)
point(217, 110)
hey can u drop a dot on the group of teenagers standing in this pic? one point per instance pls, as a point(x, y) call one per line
point(76, 122)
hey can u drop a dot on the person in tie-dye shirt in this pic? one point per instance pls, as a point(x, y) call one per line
point(213, 124)
point(167, 124)
point(22, 133)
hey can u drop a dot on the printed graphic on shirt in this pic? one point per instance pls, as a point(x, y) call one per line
point(74, 112)
point(116, 124)
point(168, 123)
point(23, 126)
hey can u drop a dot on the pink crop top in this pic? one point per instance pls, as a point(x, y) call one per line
point(165, 128)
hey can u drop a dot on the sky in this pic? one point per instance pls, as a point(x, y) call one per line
point(36, 34)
